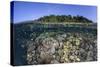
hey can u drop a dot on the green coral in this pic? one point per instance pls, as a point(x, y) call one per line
point(70, 46)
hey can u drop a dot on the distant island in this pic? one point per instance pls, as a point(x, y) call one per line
point(64, 19)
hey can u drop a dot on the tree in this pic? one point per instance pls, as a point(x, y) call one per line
point(64, 18)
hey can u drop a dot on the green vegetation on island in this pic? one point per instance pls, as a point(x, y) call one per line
point(64, 18)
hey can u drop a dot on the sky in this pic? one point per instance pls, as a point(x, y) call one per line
point(24, 11)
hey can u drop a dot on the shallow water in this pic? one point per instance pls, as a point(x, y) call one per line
point(28, 32)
